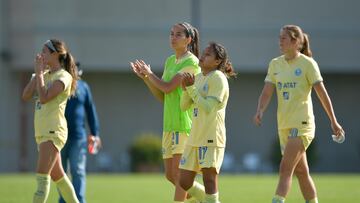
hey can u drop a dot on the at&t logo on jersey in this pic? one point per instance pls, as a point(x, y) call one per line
point(286, 85)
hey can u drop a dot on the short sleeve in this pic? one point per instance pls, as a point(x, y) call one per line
point(313, 74)
point(218, 86)
point(65, 78)
point(270, 74)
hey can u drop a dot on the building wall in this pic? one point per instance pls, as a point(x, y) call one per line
point(105, 36)
point(9, 115)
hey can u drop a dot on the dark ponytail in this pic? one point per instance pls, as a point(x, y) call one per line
point(306, 46)
point(70, 66)
point(191, 31)
point(194, 45)
point(225, 65)
point(67, 61)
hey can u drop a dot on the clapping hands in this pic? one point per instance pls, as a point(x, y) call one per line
point(188, 79)
point(39, 64)
point(141, 69)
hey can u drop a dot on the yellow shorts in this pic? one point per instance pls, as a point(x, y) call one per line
point(173, 143)
point(306, 135)
point(58, 142)
point(196, 158)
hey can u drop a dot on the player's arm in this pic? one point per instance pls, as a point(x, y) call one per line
point(263, 102)
point(91, 113)
point(327, 105)
point(206, 103)
point(165, 87)
point(29, 89)
point(159, 95)
point(156, 92)
point(46, 95)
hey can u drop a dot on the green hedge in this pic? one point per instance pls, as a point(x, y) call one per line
point(145, 153)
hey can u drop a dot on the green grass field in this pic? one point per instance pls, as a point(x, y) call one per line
point(129, 188)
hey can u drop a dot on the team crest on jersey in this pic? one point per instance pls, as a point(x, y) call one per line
point(206, 87)
point(298, 72)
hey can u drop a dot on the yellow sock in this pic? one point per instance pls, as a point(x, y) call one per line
point(315, 200)
point(43, 188)
point(212, 198)
point(197, 191)
point(67, 190)
point(178, 202)
point(278, 199)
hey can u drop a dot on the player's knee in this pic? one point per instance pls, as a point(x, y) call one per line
point(301, 172)
point(169, 177)
point(185, 184)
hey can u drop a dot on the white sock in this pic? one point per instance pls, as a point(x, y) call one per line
point(315, 200)
point(212, 198)
point(197, 191)
point(67, 190)
point(43, 188)
point(278, 199)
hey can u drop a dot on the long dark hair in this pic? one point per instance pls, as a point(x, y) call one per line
point(191, 31)
point(66, 60)
point(221, 54)
point(296, 33)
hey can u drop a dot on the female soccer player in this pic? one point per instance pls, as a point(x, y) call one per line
point(53, 83)
point(184, 40)
point(293, 75)
point(208, 92)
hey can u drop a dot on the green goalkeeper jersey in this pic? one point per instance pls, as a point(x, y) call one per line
point(174, 118)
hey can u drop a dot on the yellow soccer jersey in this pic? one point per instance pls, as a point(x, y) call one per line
point(293, 81)
point(208, 128)
point(49, 117)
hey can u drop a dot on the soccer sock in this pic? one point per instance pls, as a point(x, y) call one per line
point(43, 188)
point(66, 189)
point(191, 200)
point(212, 198)
point(315, 200)
point(278, 199)
point(197, 191)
